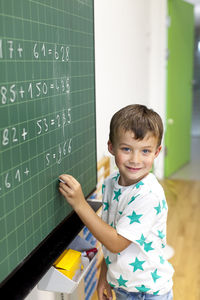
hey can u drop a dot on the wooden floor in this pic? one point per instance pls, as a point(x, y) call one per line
point(183, 199)
point(183, 233)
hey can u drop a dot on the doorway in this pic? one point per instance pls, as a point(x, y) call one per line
point(191, 171)
point(179, 85)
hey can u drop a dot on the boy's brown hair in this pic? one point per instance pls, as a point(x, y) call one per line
point(139, 119)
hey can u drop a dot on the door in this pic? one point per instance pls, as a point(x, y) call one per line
point(179, 85)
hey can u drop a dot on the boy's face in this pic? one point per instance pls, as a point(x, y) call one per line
point(134, 158)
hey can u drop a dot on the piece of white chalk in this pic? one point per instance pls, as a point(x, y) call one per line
point(61, 180)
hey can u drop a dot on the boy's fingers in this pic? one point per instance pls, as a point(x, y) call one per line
point(65, 187)
point(109, 293)
point(68, 179)
point(103, 296)
point(64, 177)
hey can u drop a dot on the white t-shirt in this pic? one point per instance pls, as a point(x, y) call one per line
point(138, 213)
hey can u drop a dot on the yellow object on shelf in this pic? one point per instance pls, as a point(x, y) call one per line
point(68, 262)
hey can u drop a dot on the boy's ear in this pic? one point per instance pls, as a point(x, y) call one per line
point(110, 147)
point(158, 151)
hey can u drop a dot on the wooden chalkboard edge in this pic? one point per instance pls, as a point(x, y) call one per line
point(25, 277)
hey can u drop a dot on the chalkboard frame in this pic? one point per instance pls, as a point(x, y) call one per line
point(23, 279)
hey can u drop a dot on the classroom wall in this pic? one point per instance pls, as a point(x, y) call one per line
point(130, 51)
point(122, 43)
point(159, 23)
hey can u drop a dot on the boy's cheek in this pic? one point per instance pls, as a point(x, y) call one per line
point(119, 160)
point(149, 164)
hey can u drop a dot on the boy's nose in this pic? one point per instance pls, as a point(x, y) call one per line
point(135, 158)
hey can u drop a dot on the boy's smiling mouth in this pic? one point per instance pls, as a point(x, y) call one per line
point(133, 169)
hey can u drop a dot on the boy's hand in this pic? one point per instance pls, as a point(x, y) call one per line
point(103, 285)
point(71, 190)
point(101, 288)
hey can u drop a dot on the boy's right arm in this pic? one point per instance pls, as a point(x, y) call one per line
point(103, 232)
point(103, 285)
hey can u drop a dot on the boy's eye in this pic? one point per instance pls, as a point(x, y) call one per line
point(126, 149)
point(145, 151)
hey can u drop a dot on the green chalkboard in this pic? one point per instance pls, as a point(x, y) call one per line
point(47, 117)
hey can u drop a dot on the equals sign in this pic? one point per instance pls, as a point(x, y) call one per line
point(52, 122)
point(54, 156)
point(50, 51)
point(51, 86)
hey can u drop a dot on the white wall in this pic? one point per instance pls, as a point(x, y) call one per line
point(122, 59)
point(158, 68)
point(130, 51)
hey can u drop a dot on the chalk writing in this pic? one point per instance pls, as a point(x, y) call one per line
point(17, 92)
point(10, 179)
point(63, 149)
point(11, 50)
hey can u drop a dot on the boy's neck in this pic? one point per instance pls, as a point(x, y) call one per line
point(120, 180)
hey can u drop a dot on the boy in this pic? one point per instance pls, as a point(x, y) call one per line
point(133, 225)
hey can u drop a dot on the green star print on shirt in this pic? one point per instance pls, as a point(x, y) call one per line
point(134, 217)
point(137, 265)
point(133, 198)
point(107, 261)
point(117, 194)
point(121, 281)
point(106, 205)
point(142, 288)
point(158, 209)
point(142, 240)
point(155, 276)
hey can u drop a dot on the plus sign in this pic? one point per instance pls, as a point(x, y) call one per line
point(26, 172)
point(21, 92)
point(24, 133)
point(20, 50)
